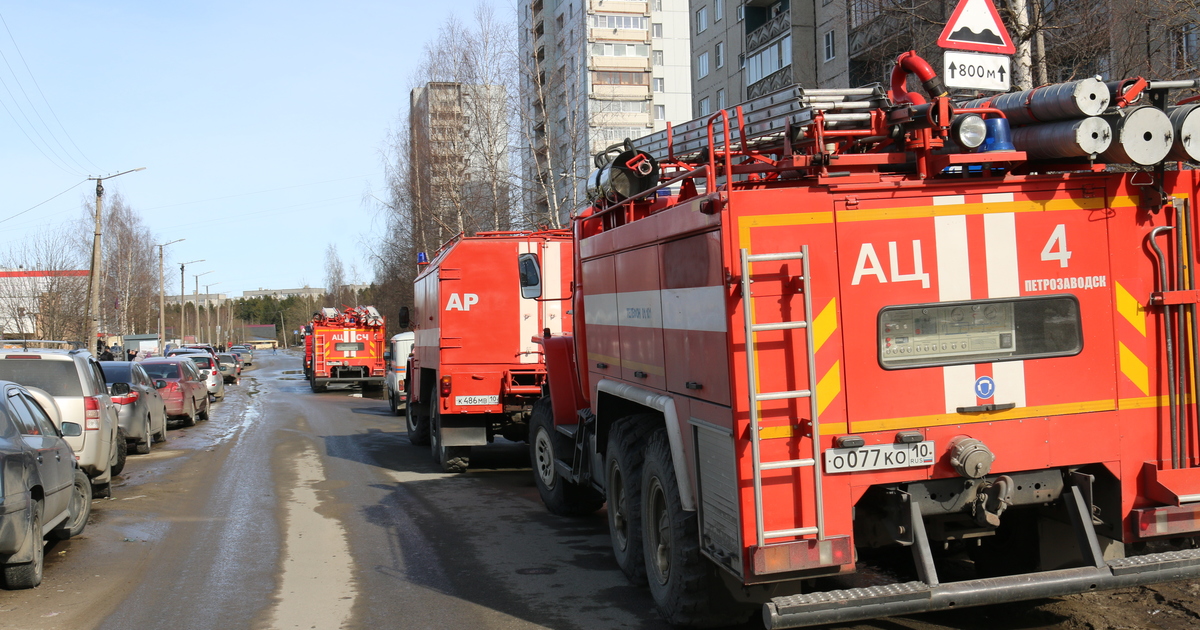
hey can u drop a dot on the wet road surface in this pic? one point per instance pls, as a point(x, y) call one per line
point(289, 509)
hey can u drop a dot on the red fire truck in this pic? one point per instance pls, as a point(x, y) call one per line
point(828, 324)
point(476, 367)
point(345, 347)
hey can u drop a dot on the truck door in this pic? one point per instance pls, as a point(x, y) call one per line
point(973, 308)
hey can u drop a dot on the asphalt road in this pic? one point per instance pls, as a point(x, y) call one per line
point(297, 510)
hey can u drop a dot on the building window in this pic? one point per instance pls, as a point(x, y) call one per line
point(601, 20)
point(615, 107)
point(829, 46)
point(620, 78)
point(660, 112)
point(741, 61)
point(741, 12)
point(769, 60)
point(620, 50)
point(656, 5)
point(704, 106)
point(657, 57)
point(721, 99)
point(702, 66)
point(718, 10)
point(656, 30)
point(702, 20)
point(720, 54)
point(660, 85)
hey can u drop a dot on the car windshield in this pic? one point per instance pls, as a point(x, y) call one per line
point(58, 378)
point(202, 361)
point(117, 372)
point(162, 370)
point(227, 358)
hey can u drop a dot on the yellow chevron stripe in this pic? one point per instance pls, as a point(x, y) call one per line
point(829, 387)
point(1132, 367)
point(1131, 309)
point(824, 325)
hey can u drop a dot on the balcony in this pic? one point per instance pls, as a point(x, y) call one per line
point(877, 32)
point(536, 7)
point(773, 28)
point(772, 82)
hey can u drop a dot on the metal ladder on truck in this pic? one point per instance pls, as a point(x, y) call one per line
point(756, 396)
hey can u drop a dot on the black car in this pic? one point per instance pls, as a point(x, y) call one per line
point(42, 484)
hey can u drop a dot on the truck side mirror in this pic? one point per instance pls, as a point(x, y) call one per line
point(531, 276)
point(403, 320)
point(387, 355)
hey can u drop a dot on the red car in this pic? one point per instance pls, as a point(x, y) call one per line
point(183, 389)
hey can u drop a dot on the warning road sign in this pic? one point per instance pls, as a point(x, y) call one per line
point(976, 71)
point(975, 25)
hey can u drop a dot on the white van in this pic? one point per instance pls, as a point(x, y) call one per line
point(401, 347)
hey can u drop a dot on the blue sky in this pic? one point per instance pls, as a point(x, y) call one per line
point(260, 124)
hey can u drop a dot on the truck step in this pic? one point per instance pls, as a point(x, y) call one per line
point(851, 597)
point(568, 430)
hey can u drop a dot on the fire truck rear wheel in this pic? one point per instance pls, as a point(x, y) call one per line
point(623, 485)
point(418, 423)
point(685, 585)
point(452, 459)
point(560, 496)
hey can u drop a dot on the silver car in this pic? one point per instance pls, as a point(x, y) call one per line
point(141, 412)
point(75, 380)
point(210, 369)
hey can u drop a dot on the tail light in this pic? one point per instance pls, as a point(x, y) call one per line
point(91, 413)
point(444, 390)
point(127, 399)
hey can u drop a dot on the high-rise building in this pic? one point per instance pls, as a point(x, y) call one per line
point(458, 141)
point(595, 72)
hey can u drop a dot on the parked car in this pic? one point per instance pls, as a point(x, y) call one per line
point(210, 369)
point(183, 390)
point(246, 353)
point(76, 381)
point(203, 347)
point(235, 366)
point(175, 352)
point(397, 378)
point(141, 412)
point(43, 488)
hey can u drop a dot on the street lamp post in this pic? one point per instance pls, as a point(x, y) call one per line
point(162, 300)
point(182, 312)
point(196, 295)
point(208, 333)
point(93, 315)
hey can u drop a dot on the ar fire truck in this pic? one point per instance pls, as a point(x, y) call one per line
point(831, 323)
point(345, 347)
point(476, 369)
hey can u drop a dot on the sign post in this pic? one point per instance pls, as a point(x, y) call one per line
point(975, 27)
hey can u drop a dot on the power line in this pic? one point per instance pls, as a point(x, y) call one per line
point(44, 99)
point(43, 203)
point(35, 145)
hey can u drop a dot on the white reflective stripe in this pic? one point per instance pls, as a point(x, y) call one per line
point(950, 200)
point(552, 287)
point(697, 308)
point(959, 382)
point(639, 309)
point(527, 314)
point(1010, 382)
point(997, 197)
point(600, 309)
point(953, 263)
point(1000, 246)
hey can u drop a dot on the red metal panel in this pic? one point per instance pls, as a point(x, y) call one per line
point(695, 322)
point(639, 316)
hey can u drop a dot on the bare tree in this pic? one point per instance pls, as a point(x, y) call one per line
point(335, 276)
point(43, 293)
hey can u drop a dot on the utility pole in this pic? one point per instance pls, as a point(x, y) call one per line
point(283, 329)
point(93, 313)
point(182, 312)
point(208, 333)
point(162, 300)
point(196, 296)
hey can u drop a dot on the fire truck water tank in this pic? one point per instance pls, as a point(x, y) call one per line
point(970, 457)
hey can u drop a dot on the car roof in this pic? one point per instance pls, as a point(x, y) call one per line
point(46, 353)
point(165, 360)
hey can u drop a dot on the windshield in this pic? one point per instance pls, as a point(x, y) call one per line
point(58, 378)
point(201, 361)
point(162, 370)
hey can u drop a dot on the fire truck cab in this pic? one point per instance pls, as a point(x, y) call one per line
point(827, 324)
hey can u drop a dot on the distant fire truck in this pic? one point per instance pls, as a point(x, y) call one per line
point(828, 323)
point(345, 347)
point(476, 368)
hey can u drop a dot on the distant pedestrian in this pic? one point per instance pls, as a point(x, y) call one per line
point(107, 355)
point(132, 355)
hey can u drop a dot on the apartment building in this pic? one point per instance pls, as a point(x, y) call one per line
point(594, 73)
